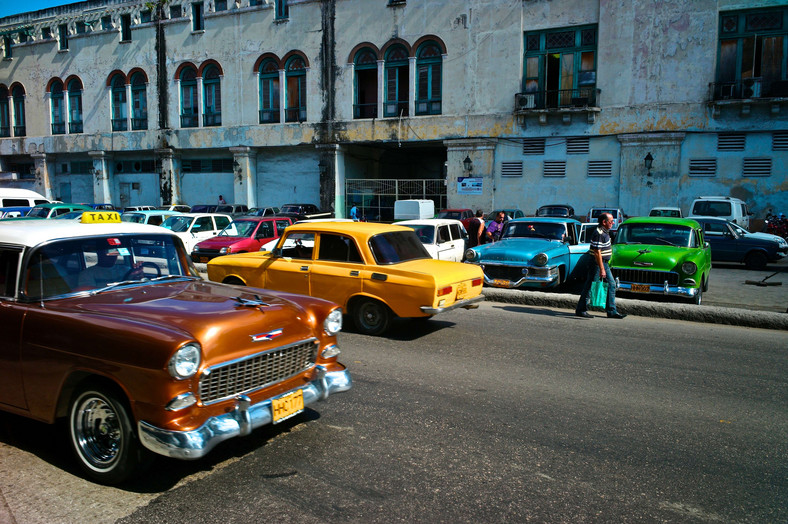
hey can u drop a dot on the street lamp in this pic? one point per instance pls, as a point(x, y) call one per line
point(468, 164)
point(649, 161)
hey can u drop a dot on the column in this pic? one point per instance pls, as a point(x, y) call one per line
point(200, 99)
point(67, 110)
point(411, 85)
point(245, 175)
point(462, 192)
point(282, 97)
point(128, 107)
point(43, 182)
point(381, 87)
point(102, 188)
point(169, 177)
point(332, 176)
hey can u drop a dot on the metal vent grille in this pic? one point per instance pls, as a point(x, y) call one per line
point(600, 168)
point(757, 167)
point(533, 146)
point(577, 146)
point(731, 142)
point(555, 168)
point(703, 167)
point(780, 142)
point(257, 371)
point(511, 169)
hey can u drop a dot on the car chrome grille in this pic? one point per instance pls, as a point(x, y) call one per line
point(503, 272)
point(256, 371)
point(645, 276)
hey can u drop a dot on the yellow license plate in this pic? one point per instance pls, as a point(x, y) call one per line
point(461, 290)
point(287, 406)
point(204, 259)
point(641, 288)
point(497, 282)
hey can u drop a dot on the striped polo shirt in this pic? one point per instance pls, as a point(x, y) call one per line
point(600, 241)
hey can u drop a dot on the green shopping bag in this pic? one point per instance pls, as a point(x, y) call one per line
point(598, 295)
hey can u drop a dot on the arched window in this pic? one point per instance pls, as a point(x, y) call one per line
point(269, 92)
point(139, 102)
point(295, 96)
point(189, 100)
point(18, 95)
point(5, 114)
point(397, 80)
point(212, 88)
point(366, 84)
point(119, 104)
point(75, 106)
point(428, 79)
point(56, 102)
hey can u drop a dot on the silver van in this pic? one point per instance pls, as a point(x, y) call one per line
point(729, 208)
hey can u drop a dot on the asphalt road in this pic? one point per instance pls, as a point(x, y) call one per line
point(504, 414)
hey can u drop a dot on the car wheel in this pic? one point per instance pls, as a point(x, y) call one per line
point(233, 281)
point(371, 317)
point(103, 437)
point(698, 298)
point(756, 261)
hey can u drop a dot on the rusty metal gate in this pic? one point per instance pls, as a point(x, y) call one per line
point(375, 197)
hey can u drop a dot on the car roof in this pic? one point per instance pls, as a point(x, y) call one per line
point(357, 229)
point(709, 219)
point(31, 233)
point(662, 220)
point(58, 206)
point(547, 220)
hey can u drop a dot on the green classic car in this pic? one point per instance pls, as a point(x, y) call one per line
point(662, 256)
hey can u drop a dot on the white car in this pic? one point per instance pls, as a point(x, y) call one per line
point(195, 227)
point(445, 239)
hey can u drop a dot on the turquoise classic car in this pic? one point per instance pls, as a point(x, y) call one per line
point(662, 256)
point(534, 252)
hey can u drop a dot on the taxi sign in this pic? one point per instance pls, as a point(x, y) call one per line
point(100, 217)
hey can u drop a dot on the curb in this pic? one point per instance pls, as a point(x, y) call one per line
point(642, 308)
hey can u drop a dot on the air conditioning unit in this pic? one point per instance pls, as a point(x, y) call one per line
point(526, 101)
point(751, 88)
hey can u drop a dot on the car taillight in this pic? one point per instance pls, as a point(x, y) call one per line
point(476, 282)
point(444, 291)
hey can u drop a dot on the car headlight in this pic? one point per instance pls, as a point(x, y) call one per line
point(333, 322)
point(223, 251)
point(185, 362)
point(540, 259)
point(196, 249)
point(470, 254)
point(689, 268)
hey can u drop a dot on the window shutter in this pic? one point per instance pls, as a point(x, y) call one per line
point(703, 167)
point(754, 167)
point(600, 168)
point(554, 168)
point(511, 169)
point(533, 146)
point(731, 141)
point(577, 146)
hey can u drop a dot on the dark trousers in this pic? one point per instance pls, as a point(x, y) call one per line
point(593, 274)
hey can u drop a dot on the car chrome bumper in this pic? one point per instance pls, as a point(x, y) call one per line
point(660, 289)
point(238, 422)
point(467, 303)
point(551, 278)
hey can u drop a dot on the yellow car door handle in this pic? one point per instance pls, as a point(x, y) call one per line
point(304, 268)
point(354, 273)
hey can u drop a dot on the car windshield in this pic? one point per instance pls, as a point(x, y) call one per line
point(98, 263)
point(178, 223)
point(739, 230)
point(40, 212)
point(665, 234)
point(534, 230)
point(291, 209)
point(70, 215)
point(455, 215)
point(137, 218)
point(552, 212)
point(425, 232)
point(239, 228)
point(397, 246)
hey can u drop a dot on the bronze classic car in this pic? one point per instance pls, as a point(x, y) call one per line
point(108, 326)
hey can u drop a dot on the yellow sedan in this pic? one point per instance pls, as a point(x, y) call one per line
point(375, 271)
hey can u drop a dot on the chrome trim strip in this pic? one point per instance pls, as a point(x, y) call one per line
point(468, 303)
point(195, 444)
point(661, 289)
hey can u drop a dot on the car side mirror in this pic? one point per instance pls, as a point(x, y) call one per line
point(276, 252)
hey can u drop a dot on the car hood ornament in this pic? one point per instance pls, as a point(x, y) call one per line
point(257, 302)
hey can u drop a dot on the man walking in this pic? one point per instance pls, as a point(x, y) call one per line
point(599, 254)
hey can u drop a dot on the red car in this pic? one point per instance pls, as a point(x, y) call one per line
point(463, 215)
point(242, 235)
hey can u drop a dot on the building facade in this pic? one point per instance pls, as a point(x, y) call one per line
point(474, 103)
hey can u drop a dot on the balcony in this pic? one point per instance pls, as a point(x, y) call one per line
point(562, 102)
point(119, 124)
point(748, 92)
point(189, 120)
point(269, 116)
point(58, 128)
point(5, 131)
point(138, 124)
point(20, 130)
point(75, 127)
point(365, 110)
point(295, 114)
point(212, 119)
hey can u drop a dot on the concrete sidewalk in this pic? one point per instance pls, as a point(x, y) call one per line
point(734, 297)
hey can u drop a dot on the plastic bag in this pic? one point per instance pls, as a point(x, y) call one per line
point(598, 294)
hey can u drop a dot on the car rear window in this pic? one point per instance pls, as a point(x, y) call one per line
point(710, 208)
point(397, 246)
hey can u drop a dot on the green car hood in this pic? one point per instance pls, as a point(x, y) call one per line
point(653, 257)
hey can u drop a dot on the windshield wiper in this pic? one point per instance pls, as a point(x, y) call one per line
point(169, 277)
point(665, 240)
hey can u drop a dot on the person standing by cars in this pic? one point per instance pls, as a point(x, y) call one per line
point(476, 229)
point(354, 212)
point(600, 252)
point(494, 230)
point(221, 200)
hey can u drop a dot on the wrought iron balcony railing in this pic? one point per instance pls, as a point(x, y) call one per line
point(5, 131)
point(75, 127)
point(295, 114)
point(365, 110)
point(58, 128)
point(748, 89)
point(269, 116)
point(119, 124)
point(212, 119)
point(189, 121)
point(139, 123)
point(582, 97)
point(20, 130)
